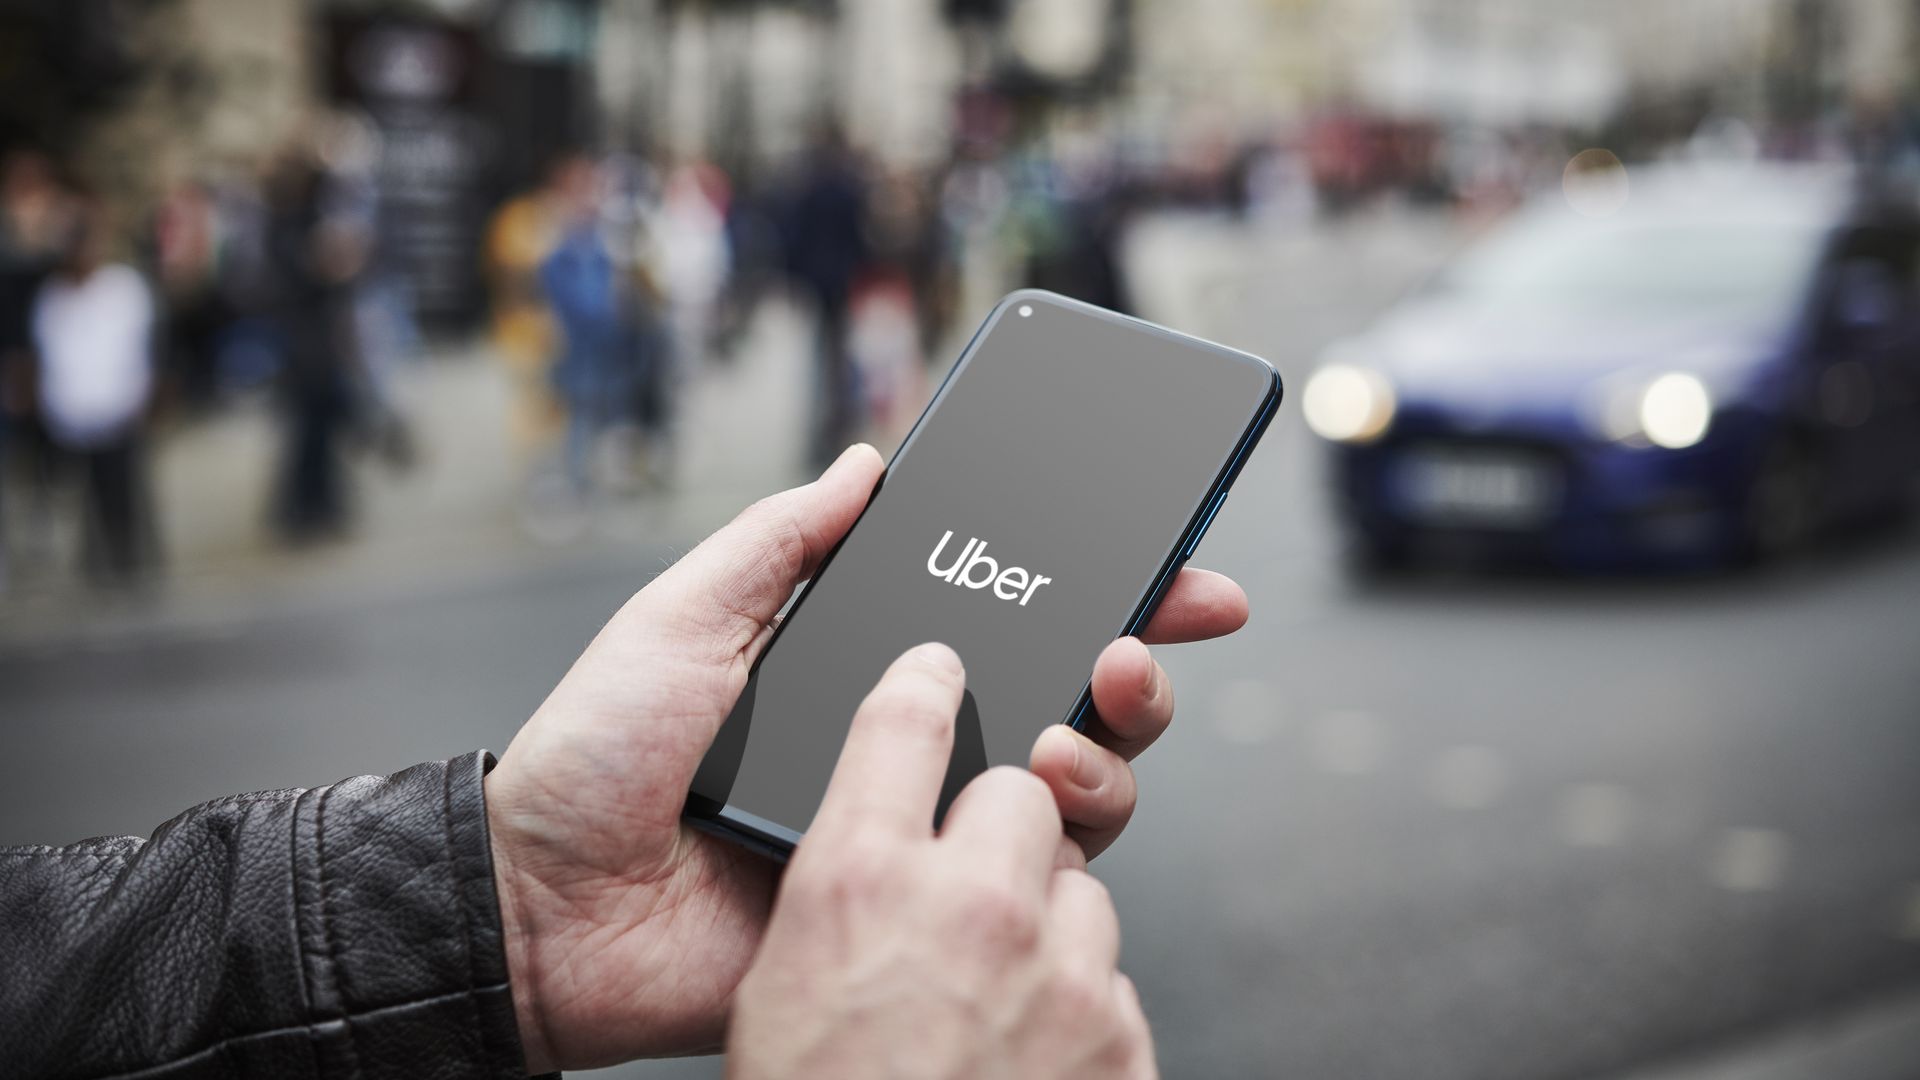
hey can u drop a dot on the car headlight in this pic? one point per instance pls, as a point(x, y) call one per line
point(1672, 411)
point(1675, 411)
point(1348, 403)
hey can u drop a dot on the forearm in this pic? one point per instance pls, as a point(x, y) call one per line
point(345, 930)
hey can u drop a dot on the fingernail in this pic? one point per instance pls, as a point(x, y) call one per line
point(1084, 772)
point(937, 655)
point(1147, 686)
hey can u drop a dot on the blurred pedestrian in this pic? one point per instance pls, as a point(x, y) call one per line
point(1073, 212)
point(1084, 261)
point(92, 325)
point(911, 248)
point(653, 348)
point(36, 222)
point(36, 216)
point(380, 331)
point(694, 255)
point(13, 395)
point(826, 245)
point(186, 258)
point(520, 237)
point(755, 263)
point(247, 348)
point(314, 261)
point(583, 287)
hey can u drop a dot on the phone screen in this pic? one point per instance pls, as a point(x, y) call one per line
point(1050, 486)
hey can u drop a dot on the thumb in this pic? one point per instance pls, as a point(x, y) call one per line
point(724, 592)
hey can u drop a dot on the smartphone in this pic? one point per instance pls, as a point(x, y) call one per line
point(1062, 473)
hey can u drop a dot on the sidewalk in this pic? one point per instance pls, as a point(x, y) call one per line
point(460, 513)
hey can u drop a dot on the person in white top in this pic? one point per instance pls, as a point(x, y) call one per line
point(92, 325)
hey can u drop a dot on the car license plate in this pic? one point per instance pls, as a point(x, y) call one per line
point(1489, 488)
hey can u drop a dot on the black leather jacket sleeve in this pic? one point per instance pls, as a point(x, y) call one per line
point(344, 931)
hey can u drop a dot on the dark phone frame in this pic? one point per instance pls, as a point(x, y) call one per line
point(777, 841)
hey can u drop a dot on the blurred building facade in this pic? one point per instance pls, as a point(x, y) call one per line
point(137, 97)
point(189, 81)
point(1517, 61)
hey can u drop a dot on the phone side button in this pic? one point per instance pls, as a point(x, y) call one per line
point(1204, 523)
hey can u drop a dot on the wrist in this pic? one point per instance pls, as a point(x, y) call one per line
point(516, 938)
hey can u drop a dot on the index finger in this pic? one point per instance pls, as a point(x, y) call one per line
point(895, 758)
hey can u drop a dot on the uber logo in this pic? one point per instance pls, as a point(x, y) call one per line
point(967, 566)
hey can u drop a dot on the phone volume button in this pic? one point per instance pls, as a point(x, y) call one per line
point(1205, 522)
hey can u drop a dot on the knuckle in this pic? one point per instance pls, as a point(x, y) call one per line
point(922, 715)
point(1128, 1050)
point(909, 710)
point(865, 859)
point(1080, 993)
point(762, 510)
point(1000, 915)
point(928, 724)
point(777, 535)
point(743, 573)
point(1114, 788)
point(857, 869)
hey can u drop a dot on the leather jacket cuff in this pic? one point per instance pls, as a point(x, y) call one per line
point(399, 925)
point(349, 930)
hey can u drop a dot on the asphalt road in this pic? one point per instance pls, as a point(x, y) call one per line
point(1448, 828)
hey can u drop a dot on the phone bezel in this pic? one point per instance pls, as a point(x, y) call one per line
point(777, 841)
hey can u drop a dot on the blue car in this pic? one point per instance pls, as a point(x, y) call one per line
point(1719, 369)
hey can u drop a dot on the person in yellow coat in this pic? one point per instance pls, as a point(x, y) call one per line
point(523, 233)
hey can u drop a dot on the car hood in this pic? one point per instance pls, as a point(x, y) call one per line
point(1488, 363)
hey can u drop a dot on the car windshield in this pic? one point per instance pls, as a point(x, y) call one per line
point(1634, 267)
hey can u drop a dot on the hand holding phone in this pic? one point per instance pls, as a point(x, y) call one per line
point(1040, 508)
point(626, 932)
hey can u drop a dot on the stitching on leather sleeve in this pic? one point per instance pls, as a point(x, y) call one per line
point(299, 929)
point(326, 930)
point(459, 904)
point(161, 1068)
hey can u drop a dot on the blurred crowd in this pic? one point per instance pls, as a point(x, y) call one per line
point(109, 324)
point(614, 277)
point(609, 281)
